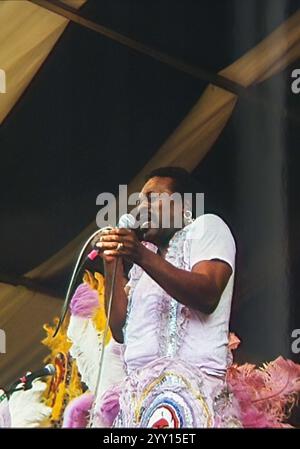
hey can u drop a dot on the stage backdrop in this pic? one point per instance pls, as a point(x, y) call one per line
point(35, 31)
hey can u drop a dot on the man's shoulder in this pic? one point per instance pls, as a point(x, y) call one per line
point(211, 238)
point(210, 220)
point(209, 225)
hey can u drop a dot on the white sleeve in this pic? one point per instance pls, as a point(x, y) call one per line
point(211, 238)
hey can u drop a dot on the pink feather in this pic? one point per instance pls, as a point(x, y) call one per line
point(76, 414)
point(84, 301)
point(109, 405)
point(266, 394)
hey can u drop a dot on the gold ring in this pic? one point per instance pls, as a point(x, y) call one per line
point(120, 246)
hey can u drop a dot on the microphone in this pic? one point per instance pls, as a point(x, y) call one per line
point(27, 379)
point(48, 370)
point(126, 221)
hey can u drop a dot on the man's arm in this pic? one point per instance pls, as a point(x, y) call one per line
point(211, 255)
point(200, 289)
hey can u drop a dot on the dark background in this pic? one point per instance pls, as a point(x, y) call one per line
point(95, 114)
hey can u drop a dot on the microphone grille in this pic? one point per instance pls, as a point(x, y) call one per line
point(126, 221)
point(50, 368)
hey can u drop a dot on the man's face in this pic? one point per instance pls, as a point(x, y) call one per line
point(157, 209)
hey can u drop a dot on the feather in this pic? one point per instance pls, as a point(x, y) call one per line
point(77, 412)
point(5, 419)
point(267, 394)
point(84, 301)
point(27, 408)
point(86, 350)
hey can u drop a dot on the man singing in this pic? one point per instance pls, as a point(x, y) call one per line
point(170, 319)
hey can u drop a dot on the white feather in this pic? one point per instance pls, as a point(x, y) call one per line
point(5, 419)
point(86, 349)
point(27, 408)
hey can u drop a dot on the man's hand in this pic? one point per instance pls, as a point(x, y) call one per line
point(107, 245)
point(120, 242)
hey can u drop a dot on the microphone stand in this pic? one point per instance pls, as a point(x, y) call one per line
point(104, 336)
point(79, 264)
